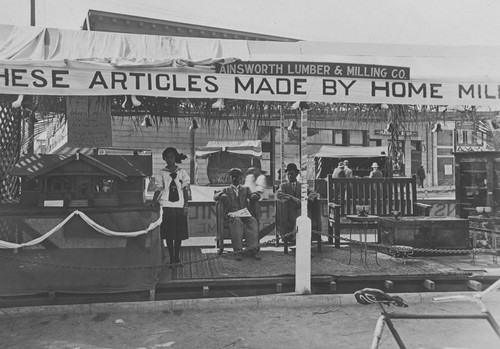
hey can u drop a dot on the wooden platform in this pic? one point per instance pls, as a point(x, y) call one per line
point(330, 262)
point(275, 273)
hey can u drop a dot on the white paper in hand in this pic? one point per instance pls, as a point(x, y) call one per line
point(240, 213)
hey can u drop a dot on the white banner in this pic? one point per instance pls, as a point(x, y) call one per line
point(358, 86)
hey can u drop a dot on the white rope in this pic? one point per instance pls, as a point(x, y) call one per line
point(90, 222)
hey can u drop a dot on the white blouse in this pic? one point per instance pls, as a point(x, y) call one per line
point(163, 180)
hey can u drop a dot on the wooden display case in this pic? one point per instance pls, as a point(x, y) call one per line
point(477, 180)
point(425, 232)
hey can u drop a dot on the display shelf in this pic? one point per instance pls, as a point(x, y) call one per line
point(477, 176)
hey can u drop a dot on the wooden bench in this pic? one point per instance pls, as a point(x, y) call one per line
point(383, 196)
point(283, 226)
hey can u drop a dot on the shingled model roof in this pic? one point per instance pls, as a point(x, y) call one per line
point(119, 165)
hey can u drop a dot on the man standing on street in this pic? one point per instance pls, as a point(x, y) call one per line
point(421, 176)
point(347, 169)
point(375, 171)
point(339, 171)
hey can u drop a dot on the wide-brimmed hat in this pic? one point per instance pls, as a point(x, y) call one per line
point(291, 167)
point(346, 162)
point(252, 170)
point(234, 170)
point(375, 165)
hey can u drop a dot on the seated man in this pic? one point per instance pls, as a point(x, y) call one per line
point(290, 191)
point(237, 197)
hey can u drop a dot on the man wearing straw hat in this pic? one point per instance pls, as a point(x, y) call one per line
point(375, 171)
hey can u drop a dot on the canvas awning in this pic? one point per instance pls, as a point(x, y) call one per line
point(252, 147)
point(46, 61)
point(327, 151)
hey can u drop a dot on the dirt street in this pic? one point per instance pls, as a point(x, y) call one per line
point(291, 326)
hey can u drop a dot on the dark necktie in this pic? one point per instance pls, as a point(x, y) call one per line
point(173, 193)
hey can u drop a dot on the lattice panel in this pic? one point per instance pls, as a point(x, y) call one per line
point(10, 143)
point(10, 231)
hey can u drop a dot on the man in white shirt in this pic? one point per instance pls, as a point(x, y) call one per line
point(347, 169)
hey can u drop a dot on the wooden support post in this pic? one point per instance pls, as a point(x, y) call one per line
point(388, 285)
point(474, 285)
point(303, 239)
point(205, 291)
point(152, 295)
point(430, 285)
point(333, 286)
point(279, 287)
point(192, 161)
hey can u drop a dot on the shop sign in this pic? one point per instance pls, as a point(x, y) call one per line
point(465, 125)
point(339, 70)
point(401, 133)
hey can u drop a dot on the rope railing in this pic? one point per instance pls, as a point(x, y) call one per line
point(270, 242)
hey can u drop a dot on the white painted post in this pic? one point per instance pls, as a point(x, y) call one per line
point(303, 239)
point(282, 145)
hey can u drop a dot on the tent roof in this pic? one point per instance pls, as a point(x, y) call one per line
point(56, 46)
point(84, 63)
point(328, 151)
point(250, 147)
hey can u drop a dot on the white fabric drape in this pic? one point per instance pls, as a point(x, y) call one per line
point(90, 222)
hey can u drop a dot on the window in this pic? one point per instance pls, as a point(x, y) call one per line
point(319, 136)
point(59, 184)
point(356, 138)
point(104, 185)
point(445, 138)
point(339, 138)
point(469, 137)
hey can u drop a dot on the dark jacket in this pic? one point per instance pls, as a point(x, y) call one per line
point(236, 202)
point(421, 172)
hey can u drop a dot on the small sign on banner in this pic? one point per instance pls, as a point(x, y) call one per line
point(89, 121)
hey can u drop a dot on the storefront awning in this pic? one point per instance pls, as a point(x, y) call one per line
point(252, 147)
point(327, 151)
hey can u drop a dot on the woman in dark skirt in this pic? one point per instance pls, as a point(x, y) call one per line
point(172, 193)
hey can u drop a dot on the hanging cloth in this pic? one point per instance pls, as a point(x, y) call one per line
point(173, 195)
